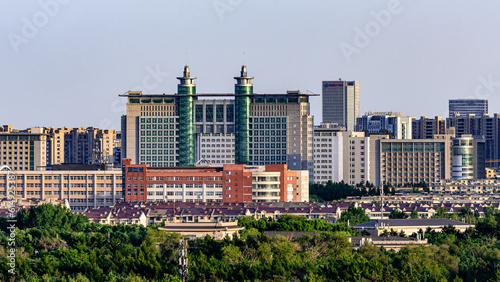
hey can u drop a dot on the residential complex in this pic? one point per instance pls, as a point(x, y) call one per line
point(229, 183)
point(465, 107)
point(39, 148)
point(171, 130)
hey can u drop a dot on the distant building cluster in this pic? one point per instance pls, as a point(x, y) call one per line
point(39, 148)
point(250, 147)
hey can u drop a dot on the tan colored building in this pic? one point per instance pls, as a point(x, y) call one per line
point(413, 161)
point(23, 150)
point(409, 226)
point(492, 172)
point(83, 189)
point(466, 186)
point(89, 145)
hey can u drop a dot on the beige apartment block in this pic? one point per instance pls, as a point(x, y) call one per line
point(89, 145)
point(23, 150)
point(356, 152)
point(83, 189)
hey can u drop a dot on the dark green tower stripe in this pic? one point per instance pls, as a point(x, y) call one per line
point(186, 127)
point(241, 124)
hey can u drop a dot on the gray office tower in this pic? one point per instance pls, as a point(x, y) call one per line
point(341, 103)
point(465, 107)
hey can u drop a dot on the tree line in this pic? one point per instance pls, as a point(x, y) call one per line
point(54, 244)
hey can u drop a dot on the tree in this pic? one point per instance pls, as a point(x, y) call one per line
point(414, 214)
point(397, 214)
point(354, 216)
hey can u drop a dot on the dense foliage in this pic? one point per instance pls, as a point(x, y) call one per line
point(354, 216)
point(54, 243)
point(334, 191)
point(69, 248)
point(293, 223)
point(340, 190)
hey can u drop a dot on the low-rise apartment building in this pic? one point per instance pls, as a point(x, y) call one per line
point(81, 188)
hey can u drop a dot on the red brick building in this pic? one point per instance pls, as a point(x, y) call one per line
point(230, 183)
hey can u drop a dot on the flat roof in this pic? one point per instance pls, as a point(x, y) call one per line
point(411, 222)
point(215, 95)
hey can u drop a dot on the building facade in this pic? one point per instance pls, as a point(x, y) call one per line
point(426, 128)
point(480, 127)
point(412, 161)
point(386, 123)
point(262, 128)
point(229, 183)
point(23, 150)
point(465, 107)
point(82, 188)
point(468, 158)
point(341, 103)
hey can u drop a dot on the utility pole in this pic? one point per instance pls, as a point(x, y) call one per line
point(382, 202)
point(183, 260)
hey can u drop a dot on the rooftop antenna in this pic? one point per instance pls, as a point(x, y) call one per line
point(243, 58)
point(186, 58)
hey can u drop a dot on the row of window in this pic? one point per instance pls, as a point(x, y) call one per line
point(180, 193)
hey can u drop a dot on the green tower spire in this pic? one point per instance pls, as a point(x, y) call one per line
point(243, 89)
point(186, 88)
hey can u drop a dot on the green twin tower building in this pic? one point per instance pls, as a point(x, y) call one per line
point(185, 128)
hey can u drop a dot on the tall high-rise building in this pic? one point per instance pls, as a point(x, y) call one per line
point(341, 103)
point(252, 129)
point(466, 107)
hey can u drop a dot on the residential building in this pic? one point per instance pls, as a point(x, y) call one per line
point(229, 183)
point(393, 124)
point(426, 128)
point(23, 150)
point(89, 145)
point(263, 128)
point(356, 157)
point(466, 107)
point(81, 188)
point(345, 156)
point(409, 226)
point(328, 155)
point(466, 186)
point(341, 103)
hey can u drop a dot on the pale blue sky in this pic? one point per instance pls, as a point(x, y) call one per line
point(69, 69)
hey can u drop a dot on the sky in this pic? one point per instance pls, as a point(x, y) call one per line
point(64, 62)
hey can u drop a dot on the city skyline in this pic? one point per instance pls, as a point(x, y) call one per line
point(86, 54)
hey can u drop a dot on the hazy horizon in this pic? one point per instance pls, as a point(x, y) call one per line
point(66, 62)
